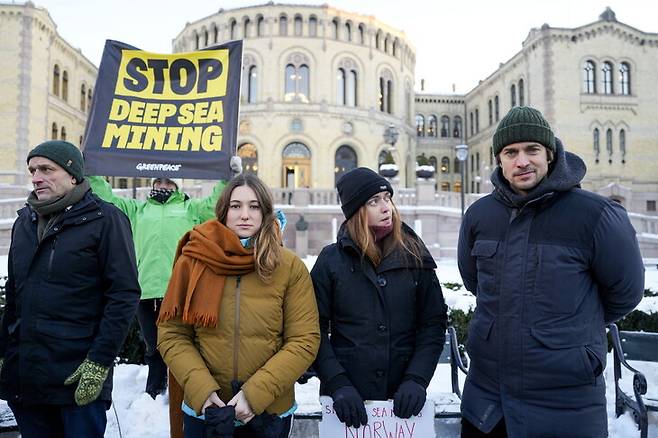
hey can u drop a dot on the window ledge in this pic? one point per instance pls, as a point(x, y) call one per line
point(616, 102)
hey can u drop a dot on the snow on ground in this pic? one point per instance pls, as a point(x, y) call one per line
point(141, 417)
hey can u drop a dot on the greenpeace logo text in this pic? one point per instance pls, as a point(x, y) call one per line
point(158, 166)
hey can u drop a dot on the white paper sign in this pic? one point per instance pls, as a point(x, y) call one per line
point(382, 423)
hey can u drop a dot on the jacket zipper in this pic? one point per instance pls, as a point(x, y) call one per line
point(236, 331)
point(52, 256)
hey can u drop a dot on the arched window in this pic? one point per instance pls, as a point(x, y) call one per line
point(445, 126)
point(334, 29)
point(65, 85)
point(625, 78)
point(231, 29)
point(496, 108)
point(340, 89)
point(249, 155)
point(596, 144)
point(362, 33)
point(622, 145)
point(297, 83)
point(205, 38)
point(246, 27)
point(378, 38)
point(345, 160)
point(420, 125)
point(521, 93)
point(53, 132)
point(62, 133)
point(296, 150)
point(56, 80)
point(395, 47)
point(386, 43)
point(260, 26)
point(385, 96)
point(589, 77)
point(215, 33)
point(472, 130)
point(252, 84)
point(455, 165)
point(313, 26)
point(89, 99)
point(490, 106)
point(348, 31)
point(608, 144)
point(283, 25)
point(512, 92)
point(83, 97)
point(197, 40)
point(432, 126)
point(606, 71)
point(445, 165)
point(352, 81)
point(298, 25)
point(457, 129)
point(477, 120)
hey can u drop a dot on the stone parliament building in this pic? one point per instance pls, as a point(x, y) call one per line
point(320, 88)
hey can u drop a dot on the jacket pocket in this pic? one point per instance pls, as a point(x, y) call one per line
point(557, 357)
point(484, 252)
point(64, 330)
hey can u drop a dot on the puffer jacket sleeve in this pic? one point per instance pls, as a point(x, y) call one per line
point(327, 366)
point(465, 261)
point(617, 263)
point(178, 350)
point(116, 259)
point(103, 190)
point(301, 340)
point(432, 316)
point(204, 208)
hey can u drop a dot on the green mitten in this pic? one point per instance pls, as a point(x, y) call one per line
point(90, 377)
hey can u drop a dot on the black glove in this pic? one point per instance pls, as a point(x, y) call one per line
point(219, 422)
point(409, 399)
point(349, 407)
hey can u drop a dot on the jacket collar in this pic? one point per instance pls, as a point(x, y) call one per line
point(565, 173)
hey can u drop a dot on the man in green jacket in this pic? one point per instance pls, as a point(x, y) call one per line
point(157, 225)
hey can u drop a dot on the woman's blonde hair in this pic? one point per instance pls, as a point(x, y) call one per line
point(357, 227)
point(267, 241)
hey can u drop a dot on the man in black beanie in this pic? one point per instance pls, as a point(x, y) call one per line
point(551, 265)
point(71, 294)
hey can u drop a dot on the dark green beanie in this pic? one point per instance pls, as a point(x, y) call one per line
point(62, 153)
point(523, 123)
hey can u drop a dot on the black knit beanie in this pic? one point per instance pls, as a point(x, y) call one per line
point(523, 123)
point(357, 186)
point(62, 153)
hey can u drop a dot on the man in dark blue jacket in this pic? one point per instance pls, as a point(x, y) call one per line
point(71, 294)
point(551, 265)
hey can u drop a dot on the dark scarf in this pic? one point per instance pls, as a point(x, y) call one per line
point(380, 231)
point(49, 211)
point(204, 258)
point(564, 173)
point(161, 195)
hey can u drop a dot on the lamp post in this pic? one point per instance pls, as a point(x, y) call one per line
point(391, 135)
point(462, 154)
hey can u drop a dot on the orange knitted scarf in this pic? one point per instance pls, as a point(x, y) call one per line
point(204, 257)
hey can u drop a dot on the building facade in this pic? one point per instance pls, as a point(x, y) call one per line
point(595, 85)
point(46, 87)
point(320, 86)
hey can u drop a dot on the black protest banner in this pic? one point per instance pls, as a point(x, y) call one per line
point(164, 115)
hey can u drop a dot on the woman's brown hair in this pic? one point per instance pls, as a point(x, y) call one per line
point(357, 227)
point(267, 241)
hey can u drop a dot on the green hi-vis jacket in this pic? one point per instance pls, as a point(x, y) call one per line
point(157, 228)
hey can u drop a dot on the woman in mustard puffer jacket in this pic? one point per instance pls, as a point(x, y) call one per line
point(239, 323)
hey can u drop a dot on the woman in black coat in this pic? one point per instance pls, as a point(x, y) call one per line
point(382, 313)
